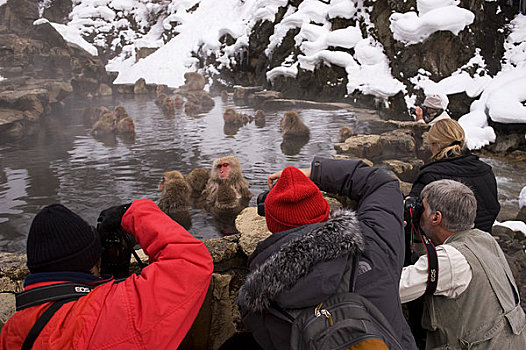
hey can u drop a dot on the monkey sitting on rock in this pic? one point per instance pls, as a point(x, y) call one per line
point(226, 178)
point(344, 133)
point(175, 194)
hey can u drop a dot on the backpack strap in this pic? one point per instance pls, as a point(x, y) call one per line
point(42, 321)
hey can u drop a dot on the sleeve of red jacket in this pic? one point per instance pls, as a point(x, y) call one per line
point(157, 308)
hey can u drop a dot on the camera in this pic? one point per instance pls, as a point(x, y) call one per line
point(261, 202)
point(413, 209)
point(412, 111)
point(116, 244)
point(116, 252)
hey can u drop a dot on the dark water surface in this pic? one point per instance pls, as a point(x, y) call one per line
point(63, 163)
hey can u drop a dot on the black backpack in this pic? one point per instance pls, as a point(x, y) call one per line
point(343, 321)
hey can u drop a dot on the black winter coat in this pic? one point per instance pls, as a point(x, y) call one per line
point(472, 172)
point(301, 267)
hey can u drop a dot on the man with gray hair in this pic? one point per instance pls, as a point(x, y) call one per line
point(476, 302)
point(433, 109)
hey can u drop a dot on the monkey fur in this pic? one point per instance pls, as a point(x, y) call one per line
point(293, 127)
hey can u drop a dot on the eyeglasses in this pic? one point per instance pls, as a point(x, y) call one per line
point(219, 166)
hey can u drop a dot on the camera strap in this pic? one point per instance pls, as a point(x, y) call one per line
point(54, 292)
point(432, 264)
point(61, 294)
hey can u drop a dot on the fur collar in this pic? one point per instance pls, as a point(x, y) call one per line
point(340, 235)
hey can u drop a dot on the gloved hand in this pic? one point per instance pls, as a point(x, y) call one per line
point(110, 219)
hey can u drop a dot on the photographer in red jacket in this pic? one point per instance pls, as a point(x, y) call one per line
point(152, 310)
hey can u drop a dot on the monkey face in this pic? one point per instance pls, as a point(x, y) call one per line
point(223, 170)
point(227, 116)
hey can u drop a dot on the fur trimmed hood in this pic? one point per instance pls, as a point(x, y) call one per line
point(297, 258)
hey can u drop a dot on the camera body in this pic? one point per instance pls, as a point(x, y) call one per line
point(261, 202)
point(116, 244)
point(116, 252)
point(413, 209)
point(412, 111)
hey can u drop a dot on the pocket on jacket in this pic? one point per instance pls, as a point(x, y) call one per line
point(483, 334)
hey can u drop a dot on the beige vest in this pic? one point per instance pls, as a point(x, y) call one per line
point(488, 314)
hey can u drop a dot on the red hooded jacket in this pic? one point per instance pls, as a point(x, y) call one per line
point(153, 310)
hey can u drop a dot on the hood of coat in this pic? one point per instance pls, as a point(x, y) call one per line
point(305, 268)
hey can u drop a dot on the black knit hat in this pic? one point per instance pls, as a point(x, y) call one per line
point(60, 240)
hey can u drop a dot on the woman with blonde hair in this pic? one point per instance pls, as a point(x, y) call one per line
point(452, 160)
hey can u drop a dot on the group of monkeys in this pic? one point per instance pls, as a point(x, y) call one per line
point(197, 99)
point(223, 191)
point(107, 122)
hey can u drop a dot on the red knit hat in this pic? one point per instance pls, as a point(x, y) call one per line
point(294, 201)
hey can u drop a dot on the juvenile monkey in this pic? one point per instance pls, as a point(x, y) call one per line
point(193, 81)
point(159, 100)
point(178, 101)
point(174, 199)
point(120, 112)
point(126, 126)
point(344, 133)
point(293, 127)
point(227, 171)
point(196, 180)
point(106, 124)
point(259, 118)
point(233, 118)
point(168, 106)
point(91, 115)
point(125, 123)
point(162, 89)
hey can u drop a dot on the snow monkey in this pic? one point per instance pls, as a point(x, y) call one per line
point(344, 133)
point(106, 124)
point(293, 127)
point(227, 171)
point(125, 123)
point(259, 118)
point(175, 194)
point(193, 81)
point(196, 180)
point(120, 112)
point(233, 118)
point(91, 115)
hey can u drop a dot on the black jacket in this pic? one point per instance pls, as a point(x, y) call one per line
point(472, 172)
point(301, 267)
